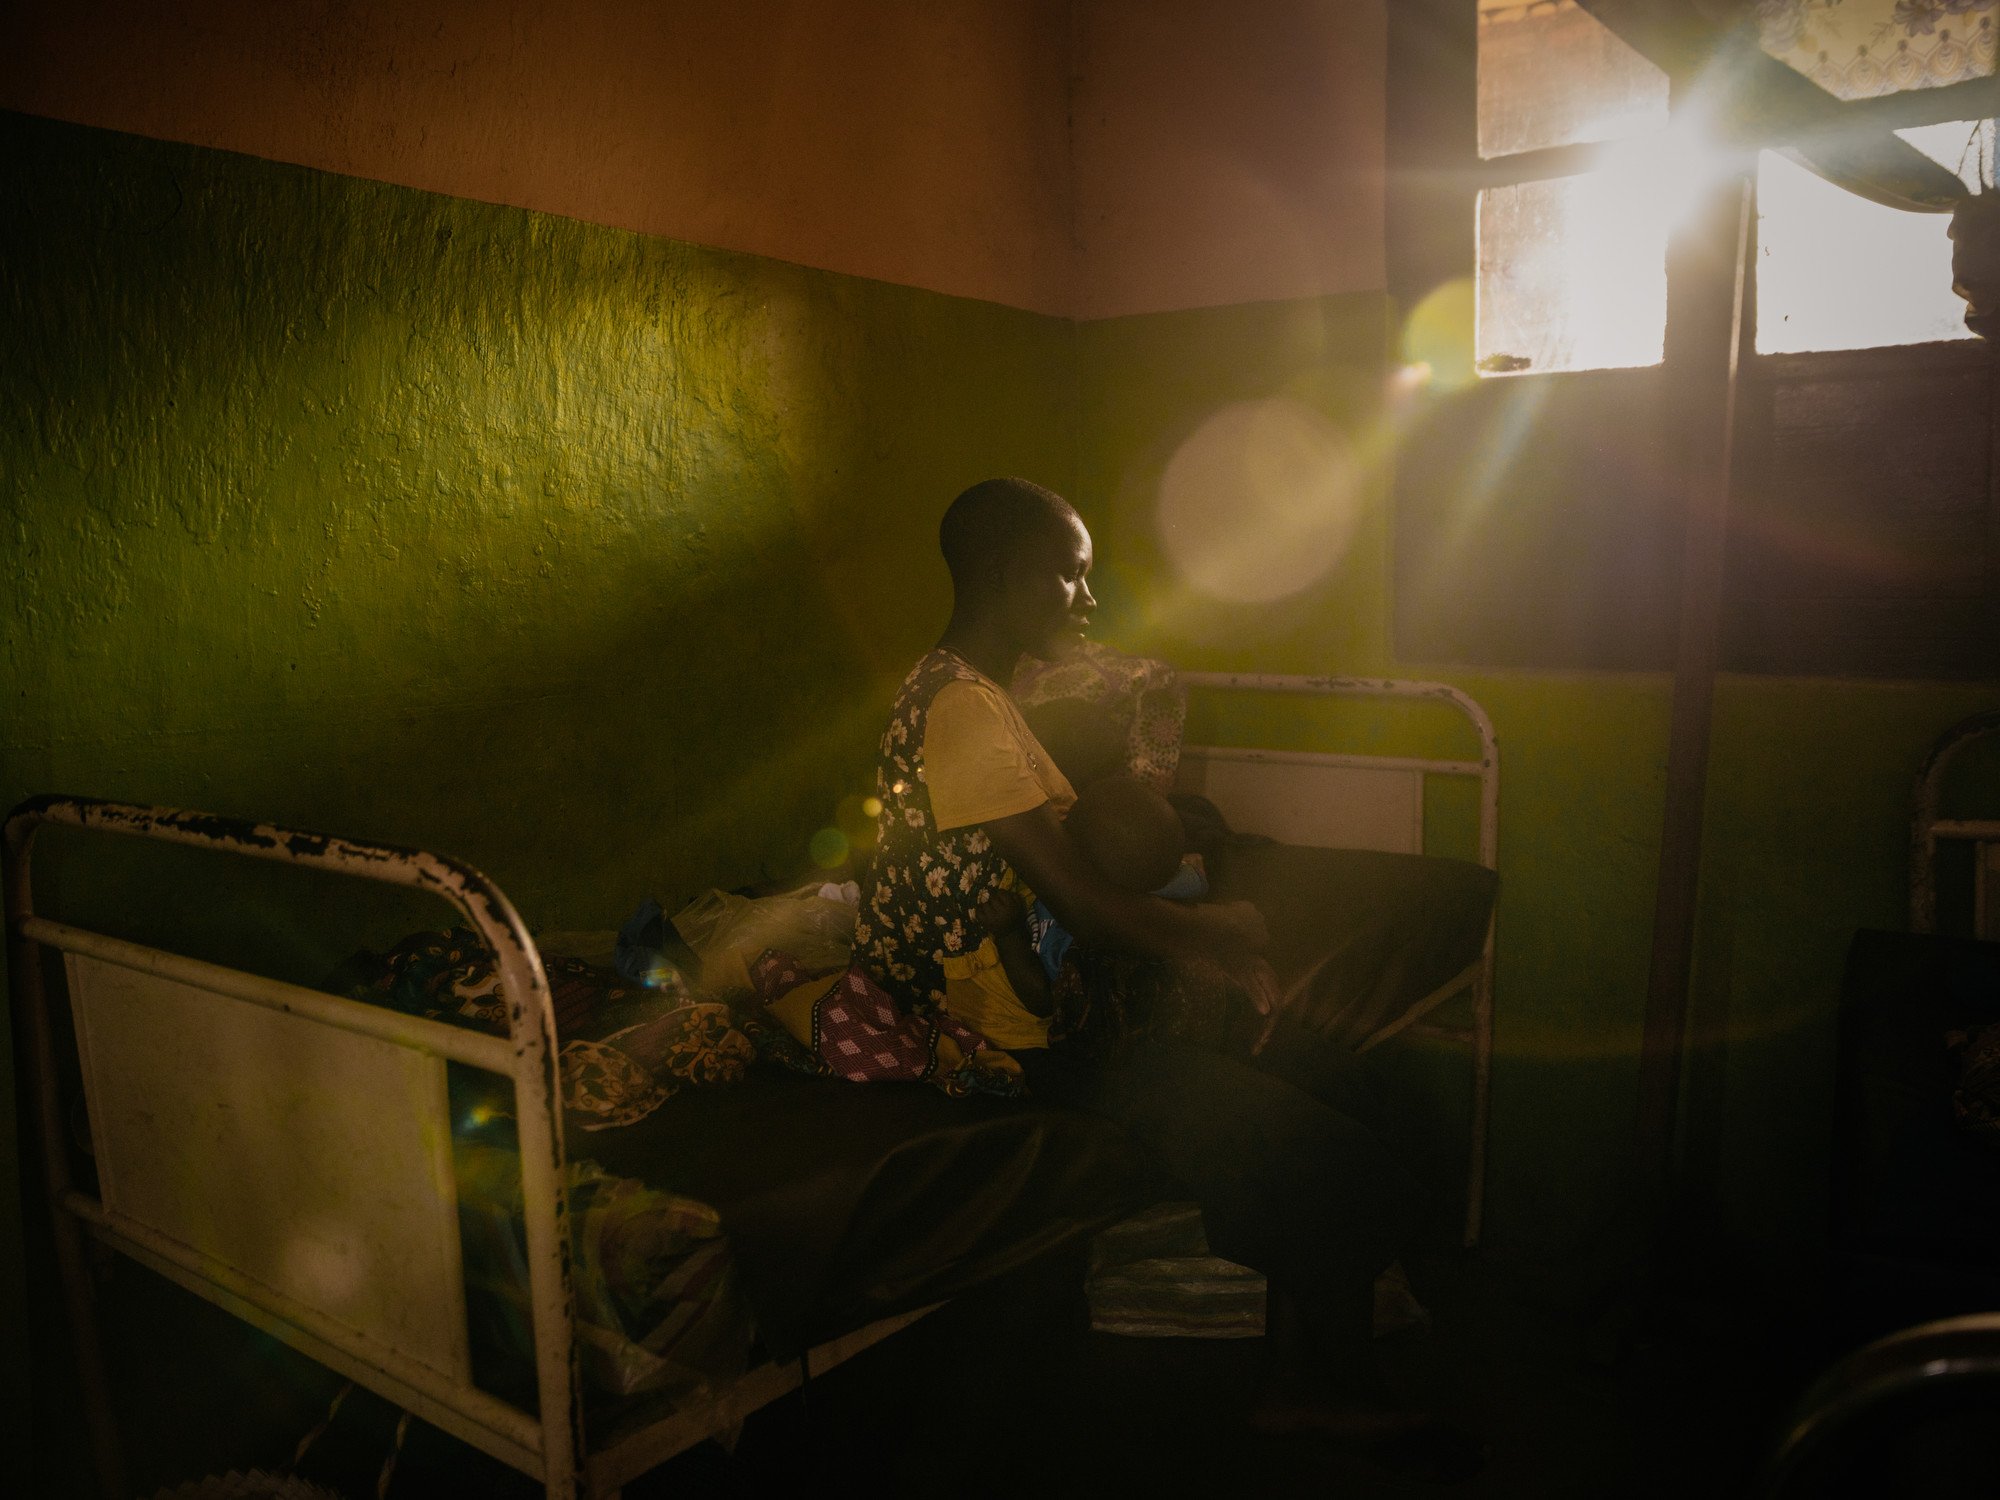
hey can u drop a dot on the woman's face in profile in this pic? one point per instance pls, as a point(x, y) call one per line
point(1049, 591)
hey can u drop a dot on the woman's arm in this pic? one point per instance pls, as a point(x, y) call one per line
point(1006, 922)
point(1042, 853)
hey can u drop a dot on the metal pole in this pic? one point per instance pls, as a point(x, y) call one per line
point(1674, 907)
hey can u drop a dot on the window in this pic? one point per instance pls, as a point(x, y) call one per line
point(1571, 270)
point(1835, 271)
point(1534, 172)
point(1571, 261)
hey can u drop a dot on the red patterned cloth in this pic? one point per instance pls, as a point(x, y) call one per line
point(859, 1034)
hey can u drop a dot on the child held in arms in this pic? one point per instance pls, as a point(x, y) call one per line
point(1133, 838)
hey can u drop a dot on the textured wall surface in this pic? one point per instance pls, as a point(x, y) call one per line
point(920, 143)
point(588, 557)
point(1806, 832)
point(1096, 158)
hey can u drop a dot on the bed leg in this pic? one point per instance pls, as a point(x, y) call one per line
point(1482, 1099)
point(32, 1004)
point(106, 1451)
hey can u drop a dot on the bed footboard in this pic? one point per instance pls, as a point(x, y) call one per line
point(285, 1153)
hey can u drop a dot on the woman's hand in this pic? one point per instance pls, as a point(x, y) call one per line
point(1259, 983)
point(1250, 978)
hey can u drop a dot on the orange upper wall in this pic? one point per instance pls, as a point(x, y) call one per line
point(1227, 152)
point(1088, 158)
point(908, 140)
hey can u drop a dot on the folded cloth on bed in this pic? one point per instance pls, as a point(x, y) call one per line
point(657, 1304)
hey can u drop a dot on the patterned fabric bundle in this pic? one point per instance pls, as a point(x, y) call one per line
point(853, 1030)
point(1145, 695)
point(624, 1050)
point(657, 1303)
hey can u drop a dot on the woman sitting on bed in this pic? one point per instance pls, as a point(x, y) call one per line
point(1290, 1180)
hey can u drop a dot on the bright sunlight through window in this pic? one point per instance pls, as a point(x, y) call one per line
point(1572, 270)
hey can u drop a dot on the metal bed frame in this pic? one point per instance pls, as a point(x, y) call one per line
point(1927, 1363)
point(344, 1243)
point(1928, 828)
point(1387, 791)
point(384, 1307)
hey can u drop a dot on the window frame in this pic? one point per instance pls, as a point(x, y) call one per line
point(1434, 176)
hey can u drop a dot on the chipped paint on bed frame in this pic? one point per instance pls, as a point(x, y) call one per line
point(554, 1449)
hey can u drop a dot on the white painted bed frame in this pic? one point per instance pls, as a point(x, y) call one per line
point(1330, 801)
point(1929, 828)
point(285, 1153)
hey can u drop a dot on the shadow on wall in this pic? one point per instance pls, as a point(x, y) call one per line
point(588, 557)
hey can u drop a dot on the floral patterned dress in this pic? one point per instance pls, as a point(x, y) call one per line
point(919, 899)
point(918, 904)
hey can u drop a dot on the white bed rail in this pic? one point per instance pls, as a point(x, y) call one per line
point(1929, 828)
point(1398, 828)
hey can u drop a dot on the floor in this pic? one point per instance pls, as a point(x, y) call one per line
point(1007, 1394)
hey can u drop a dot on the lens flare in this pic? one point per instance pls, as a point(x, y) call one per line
point(828, 848)
point(1260, 502)
point(1437, 338)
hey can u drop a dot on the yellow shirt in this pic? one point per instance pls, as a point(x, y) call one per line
point(981, 762)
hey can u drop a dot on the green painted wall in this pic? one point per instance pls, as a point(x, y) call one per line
point(592, 558)
point(587, 557)
point(1806, 819)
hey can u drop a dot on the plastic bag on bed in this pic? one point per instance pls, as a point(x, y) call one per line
point(657, 1304)
point(728, 932)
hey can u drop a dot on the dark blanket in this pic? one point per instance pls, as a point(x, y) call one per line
point(848, 1202)
point(1368, 934)
point(845, 1203)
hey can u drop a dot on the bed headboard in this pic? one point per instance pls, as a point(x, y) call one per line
point(296, 1156)
point(1345, 801)
point(1929, 828)
point(1338, 801)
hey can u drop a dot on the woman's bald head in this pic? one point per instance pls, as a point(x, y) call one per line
point(990, 524)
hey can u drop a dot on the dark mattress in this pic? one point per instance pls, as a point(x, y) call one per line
point(844, 1202)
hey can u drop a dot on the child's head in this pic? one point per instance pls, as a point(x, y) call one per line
point(1085, 740)
point(1129, 832)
